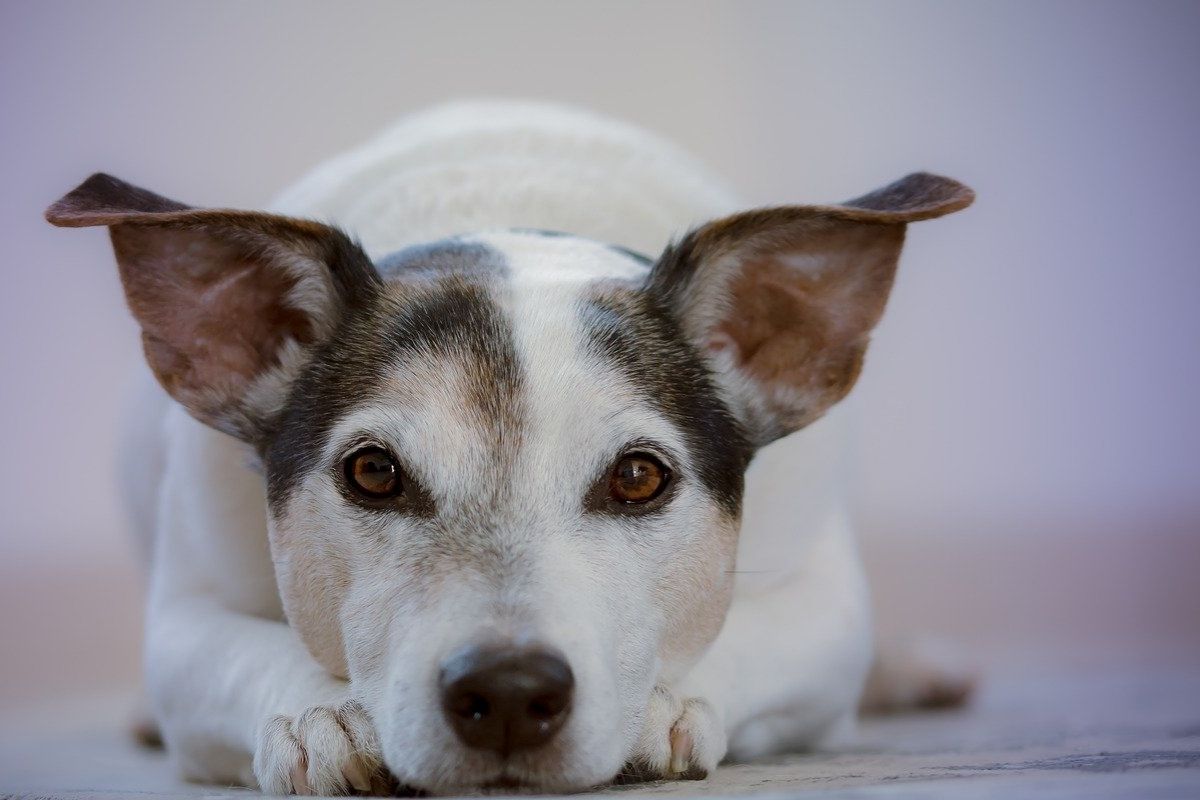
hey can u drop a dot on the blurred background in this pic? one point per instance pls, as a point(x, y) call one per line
point(1027, 474)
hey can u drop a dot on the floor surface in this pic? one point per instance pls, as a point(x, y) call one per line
point(1090, 730)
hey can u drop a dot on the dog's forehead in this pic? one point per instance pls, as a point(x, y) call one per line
point(438, 259)
point(514, 344)
point(511, 382)
point(553, 258)
point(521, 254)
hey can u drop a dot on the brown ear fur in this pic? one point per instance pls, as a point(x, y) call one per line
point(223, 297)
point(784, 299)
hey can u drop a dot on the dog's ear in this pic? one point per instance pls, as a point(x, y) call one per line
point(783, 300)
point(229, 302)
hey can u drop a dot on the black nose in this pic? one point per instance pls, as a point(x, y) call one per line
point(505, 698)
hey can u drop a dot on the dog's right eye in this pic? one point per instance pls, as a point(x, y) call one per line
point(373, 473)
point(637, 478)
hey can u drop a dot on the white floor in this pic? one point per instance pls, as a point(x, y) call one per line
point(1097, 731)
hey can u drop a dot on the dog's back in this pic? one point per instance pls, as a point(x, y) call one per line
point(475, 166)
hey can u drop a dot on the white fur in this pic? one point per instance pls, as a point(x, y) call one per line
point(224, 667)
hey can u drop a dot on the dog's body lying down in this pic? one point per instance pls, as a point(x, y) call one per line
point(489, 467)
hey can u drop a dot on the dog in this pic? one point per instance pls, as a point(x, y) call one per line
point(456, 503)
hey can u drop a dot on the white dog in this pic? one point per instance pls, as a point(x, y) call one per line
point(459, 507)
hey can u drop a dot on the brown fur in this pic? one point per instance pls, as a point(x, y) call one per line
point(809, 331)
point(212, 314)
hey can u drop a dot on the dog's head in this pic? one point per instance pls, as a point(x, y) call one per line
point(505, 470)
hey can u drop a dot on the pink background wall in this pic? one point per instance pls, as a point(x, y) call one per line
point(1029, 439)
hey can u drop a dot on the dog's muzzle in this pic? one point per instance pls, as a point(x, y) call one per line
point(504, 698)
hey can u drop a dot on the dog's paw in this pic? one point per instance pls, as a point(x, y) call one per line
point(918, 674)
point(327, 750)
point(681, 739)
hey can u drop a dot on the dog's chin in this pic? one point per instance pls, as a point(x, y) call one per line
point(502, 784)
point(572, 762)
point(506, 784)
point(508, 781)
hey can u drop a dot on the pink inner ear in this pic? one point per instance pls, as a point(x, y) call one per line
point(776, 325)
point(214, 316)
point(799, 318)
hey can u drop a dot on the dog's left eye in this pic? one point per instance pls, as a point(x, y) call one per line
point(637, 478)
point(373, 473)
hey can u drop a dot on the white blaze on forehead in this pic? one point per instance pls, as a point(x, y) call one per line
point(549, 258)
point(577, 409)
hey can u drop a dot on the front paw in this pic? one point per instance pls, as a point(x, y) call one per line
point(327, 750)
point(681, 739)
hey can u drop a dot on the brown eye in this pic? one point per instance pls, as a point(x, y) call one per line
point(637, 478)
point(373, 473)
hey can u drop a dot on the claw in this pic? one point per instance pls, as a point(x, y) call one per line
point(300, 778)
point(681, 751)
point(358, 780)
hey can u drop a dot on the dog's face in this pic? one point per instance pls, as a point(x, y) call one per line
point(507, 446)
point(505, 470)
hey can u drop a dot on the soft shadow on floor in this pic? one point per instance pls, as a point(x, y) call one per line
point(1103, 731)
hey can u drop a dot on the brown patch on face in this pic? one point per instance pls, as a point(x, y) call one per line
point(696, 591)
point(314, 578)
